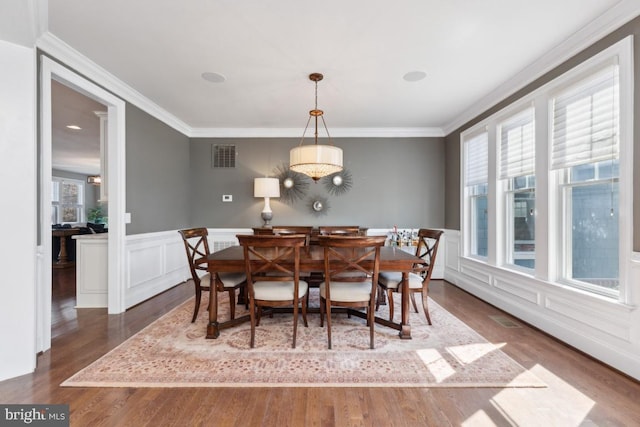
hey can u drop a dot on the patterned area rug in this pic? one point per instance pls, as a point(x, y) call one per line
point(173, 352)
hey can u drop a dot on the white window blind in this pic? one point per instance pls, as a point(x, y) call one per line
point(585, 120)
point(476, 159)
point(517, 145)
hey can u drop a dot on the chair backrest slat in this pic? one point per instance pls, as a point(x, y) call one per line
point(196, 245)
point(427, 249)
point(277, 255)
point(351, 254)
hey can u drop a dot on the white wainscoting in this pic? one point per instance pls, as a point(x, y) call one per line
point(605, 329)
point(91, 270)
point(155, 262)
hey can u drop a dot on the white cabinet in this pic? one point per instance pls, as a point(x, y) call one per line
point(91, 270)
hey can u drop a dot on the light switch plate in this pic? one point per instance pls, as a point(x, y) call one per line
point(227, 198)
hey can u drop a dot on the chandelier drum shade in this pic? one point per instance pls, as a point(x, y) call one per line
point(317, 160)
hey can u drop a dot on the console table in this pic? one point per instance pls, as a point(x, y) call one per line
point(63, 257)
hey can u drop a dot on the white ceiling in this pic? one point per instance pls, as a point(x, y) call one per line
point(74, 150)
point(266, 50)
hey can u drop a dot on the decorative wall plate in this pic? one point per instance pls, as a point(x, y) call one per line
point(318, 205)
point(293, 185)
point(338, 183)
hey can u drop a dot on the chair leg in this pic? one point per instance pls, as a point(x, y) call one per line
point(390, 303)
point(295, 323)
point(252, 314)
point(197, 307)
point(328, 311)
point(243, 296)
point(232, 303)
point(371, 324)
point(259, 315)
point(424, 294)
point(322, 308)
point(380, 298)
point(304, 310)
point(413, 301)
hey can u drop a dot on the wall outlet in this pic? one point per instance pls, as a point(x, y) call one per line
point(227, 198)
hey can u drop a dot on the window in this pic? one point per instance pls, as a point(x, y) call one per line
point(560, 157)
point(476, 183)
point(517, 169)
point(585, 152)
point(67, 200)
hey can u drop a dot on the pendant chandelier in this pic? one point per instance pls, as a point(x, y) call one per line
point(316, 160)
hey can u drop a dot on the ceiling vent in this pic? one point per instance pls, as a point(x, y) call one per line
point(223, 156)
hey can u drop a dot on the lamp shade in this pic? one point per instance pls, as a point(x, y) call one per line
point(266, 187)
point(316, 160)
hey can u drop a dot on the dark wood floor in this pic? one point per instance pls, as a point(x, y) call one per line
point(580, 390)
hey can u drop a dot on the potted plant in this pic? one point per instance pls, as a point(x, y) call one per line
point(96, 215)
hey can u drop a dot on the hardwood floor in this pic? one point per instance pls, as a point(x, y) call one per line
point(580, 390)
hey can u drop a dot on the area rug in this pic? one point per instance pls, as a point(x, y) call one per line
point(173, 352)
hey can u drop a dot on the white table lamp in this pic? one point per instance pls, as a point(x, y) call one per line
point(267, 188)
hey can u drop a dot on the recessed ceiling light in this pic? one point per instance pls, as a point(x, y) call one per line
point(214, 77)
point(74, 127)
point(414, 76)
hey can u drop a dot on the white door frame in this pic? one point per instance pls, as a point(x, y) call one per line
point(52, 70)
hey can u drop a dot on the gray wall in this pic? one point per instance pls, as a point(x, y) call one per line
point(395, 182)
point(452, 141)
point(157, 174)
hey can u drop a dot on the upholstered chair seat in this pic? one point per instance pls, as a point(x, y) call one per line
point(278, 291)
point(347, 291)
point(229, 280)
point(392, 280)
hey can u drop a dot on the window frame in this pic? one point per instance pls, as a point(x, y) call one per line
point(507, 191)
point(622, 51)
point(470, 194)
point(549, 183)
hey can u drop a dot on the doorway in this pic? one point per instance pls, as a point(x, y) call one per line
point(53, 73)
point(78, 188)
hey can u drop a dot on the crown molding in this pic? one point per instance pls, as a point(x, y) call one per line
point(611, 20)
point(297, 132)
point(73, 59)
point(70, 57)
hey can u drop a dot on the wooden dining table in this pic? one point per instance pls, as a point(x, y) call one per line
point(231, 259)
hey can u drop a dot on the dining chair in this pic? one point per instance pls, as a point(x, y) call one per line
point(196, 245)
point(419, 278)
point(340, 230)
point(286, 230)
point(351, 265)
point(272, 265)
